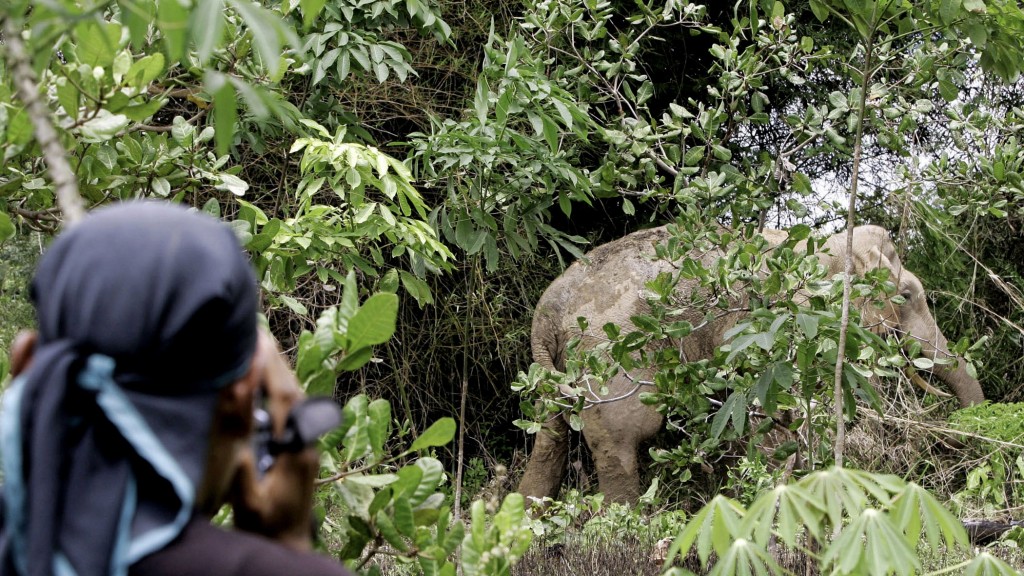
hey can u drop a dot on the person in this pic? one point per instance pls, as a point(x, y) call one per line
point(128, 423)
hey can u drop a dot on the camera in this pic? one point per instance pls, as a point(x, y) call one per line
point(307, 421)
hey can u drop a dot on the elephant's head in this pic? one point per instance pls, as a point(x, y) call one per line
point(912, 319)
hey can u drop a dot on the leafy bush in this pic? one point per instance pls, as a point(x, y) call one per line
point(391, 500)
point(994, 435)
point(843, 521)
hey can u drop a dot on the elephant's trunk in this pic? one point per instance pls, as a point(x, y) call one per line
point(966, 388)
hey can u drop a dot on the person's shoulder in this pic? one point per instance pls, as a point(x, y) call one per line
point(206, 550)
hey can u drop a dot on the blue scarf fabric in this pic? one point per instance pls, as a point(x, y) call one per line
point(145, 312)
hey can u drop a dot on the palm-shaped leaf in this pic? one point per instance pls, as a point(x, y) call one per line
point(871, 544)
point(915, 510)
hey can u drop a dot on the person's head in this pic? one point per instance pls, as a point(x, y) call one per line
point(147, 347)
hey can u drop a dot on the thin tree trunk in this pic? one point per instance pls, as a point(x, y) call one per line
point(65, 184)
point(844, 323)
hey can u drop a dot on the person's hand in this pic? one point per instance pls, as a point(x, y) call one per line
point(22, 350)
point(278, 505)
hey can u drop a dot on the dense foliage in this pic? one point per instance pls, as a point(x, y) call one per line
point(451, 156)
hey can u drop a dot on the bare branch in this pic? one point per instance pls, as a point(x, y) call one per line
point(65, 184)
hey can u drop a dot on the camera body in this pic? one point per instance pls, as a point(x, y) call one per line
point(307, 421)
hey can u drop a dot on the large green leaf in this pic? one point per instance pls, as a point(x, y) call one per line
point(266, 29)
point(712, 529)
point(97, 42)
point(172, 21)
point(310, 10)
point(872, 544)
point(357, 438)
point(225, 110)
point(137, 16)
point(788, 511)
point(6, 227)
point(379, 413)
point(439, 434)
point(985, 564)
point(916, 510)
point(374, 323)
point(207, 24)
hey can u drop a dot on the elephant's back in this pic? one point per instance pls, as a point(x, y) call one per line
point(606, 285)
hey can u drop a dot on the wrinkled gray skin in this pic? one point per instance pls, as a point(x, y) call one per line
point(609, 286)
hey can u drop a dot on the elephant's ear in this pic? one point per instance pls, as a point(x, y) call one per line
point(871, 257)
point(870, 241)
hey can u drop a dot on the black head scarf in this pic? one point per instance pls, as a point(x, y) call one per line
point(145, 311)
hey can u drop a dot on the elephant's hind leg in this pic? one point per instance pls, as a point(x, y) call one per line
point(618, 472)
point(548, 461)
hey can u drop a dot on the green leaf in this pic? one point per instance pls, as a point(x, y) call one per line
point(225, 110)
point(501, 109)
point(137, 15)
point(373, 480)
point(140, 112)
point(356, 441)
point(923, 363)
point(7, 229)
point(550, 132)
point(694, 155)
point(948, 90)
point(379, 412)
point(172, 21)
point(985, 564)
point(915, 509)
point(416, 288)
point(736, 400)
point(266, 31)
point(409, 478)
point(872, 544)
point(293, 304)
point(808, 324)
point(390, 533)
point(357, 497)
point(160, 186)
point(480, 100)
point(97, 42)
point(374, 322)
point(433, 473)
point(787, 510)
point(310, 10)
point(949, 10)
point(260, 242)
point(404, 519)
point(977, 32)
point(212, 207)
point(103, 127)
point(68, 96)
point(232, 183)
point(714, 527)
point(207, 25)
point(819, 9)
point(355, 359)
point(19, 127)
point(439, 434)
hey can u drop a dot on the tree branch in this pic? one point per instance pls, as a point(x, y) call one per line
point(65, 184)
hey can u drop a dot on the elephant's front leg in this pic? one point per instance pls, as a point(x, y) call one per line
point(548, 460)
point(617, 472)
point(613, 433)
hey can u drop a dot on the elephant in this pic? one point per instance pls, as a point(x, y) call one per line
point(608, 285)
